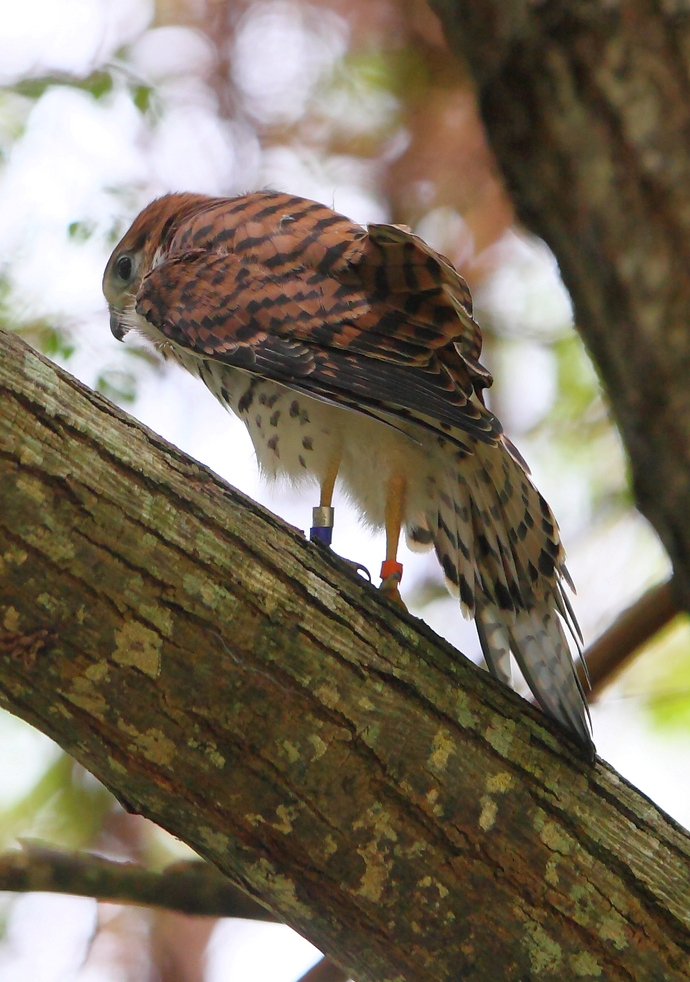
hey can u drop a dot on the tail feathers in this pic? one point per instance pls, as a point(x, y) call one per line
point(419, 537)
point(499, 547)
point(537, 640)
point(495, 643)
point(566, 611)
point(454, 537)
point(542, 652)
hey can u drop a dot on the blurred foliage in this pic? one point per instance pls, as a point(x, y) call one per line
point(579, 391)
point(580, 428)
point(98, 84)
point(80, 231)
point(141, 97)
point(66, 807)
point(117, 385)
point(53, 341)
point(661, 678)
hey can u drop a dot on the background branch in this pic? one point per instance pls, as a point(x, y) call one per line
point(190, 887)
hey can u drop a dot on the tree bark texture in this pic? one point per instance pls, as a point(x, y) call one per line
point(410, 816)
point(587, 107)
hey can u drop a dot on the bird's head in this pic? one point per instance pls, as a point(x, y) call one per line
point(120, 285)
point(138, 252)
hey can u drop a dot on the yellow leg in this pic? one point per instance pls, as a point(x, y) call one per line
point(391, 570)
point(328, 483)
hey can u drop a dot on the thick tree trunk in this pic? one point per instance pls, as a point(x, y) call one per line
point(407, 814)
point(587, 107)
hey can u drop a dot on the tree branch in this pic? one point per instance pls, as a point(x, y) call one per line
point(190, 887)
point(407, 814)
point(325, 971)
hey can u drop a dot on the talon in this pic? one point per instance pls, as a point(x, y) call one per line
point(320, 535)
point(358, 567)
point(321, 532)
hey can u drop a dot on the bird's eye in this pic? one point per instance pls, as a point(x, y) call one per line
point(123, 267)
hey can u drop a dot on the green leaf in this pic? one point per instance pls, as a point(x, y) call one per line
point(98, 84)
point(142, 97)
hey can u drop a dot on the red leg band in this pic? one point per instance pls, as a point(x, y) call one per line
point(389, 567)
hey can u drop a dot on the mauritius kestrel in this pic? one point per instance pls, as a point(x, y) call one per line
point(351, 353)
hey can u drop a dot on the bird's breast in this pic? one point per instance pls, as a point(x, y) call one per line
point(298, 437)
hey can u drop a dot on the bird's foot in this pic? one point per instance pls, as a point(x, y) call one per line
point(321, 533)
point(391, 574)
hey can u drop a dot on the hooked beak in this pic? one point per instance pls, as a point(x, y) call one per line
point(117, 328)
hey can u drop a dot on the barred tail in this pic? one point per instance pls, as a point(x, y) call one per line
point(498, 544)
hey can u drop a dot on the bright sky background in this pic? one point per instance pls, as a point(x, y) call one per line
point(74, 151)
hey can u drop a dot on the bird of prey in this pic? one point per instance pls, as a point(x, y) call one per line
point(352, 353)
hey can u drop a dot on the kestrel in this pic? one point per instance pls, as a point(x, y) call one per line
point(351, 353)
